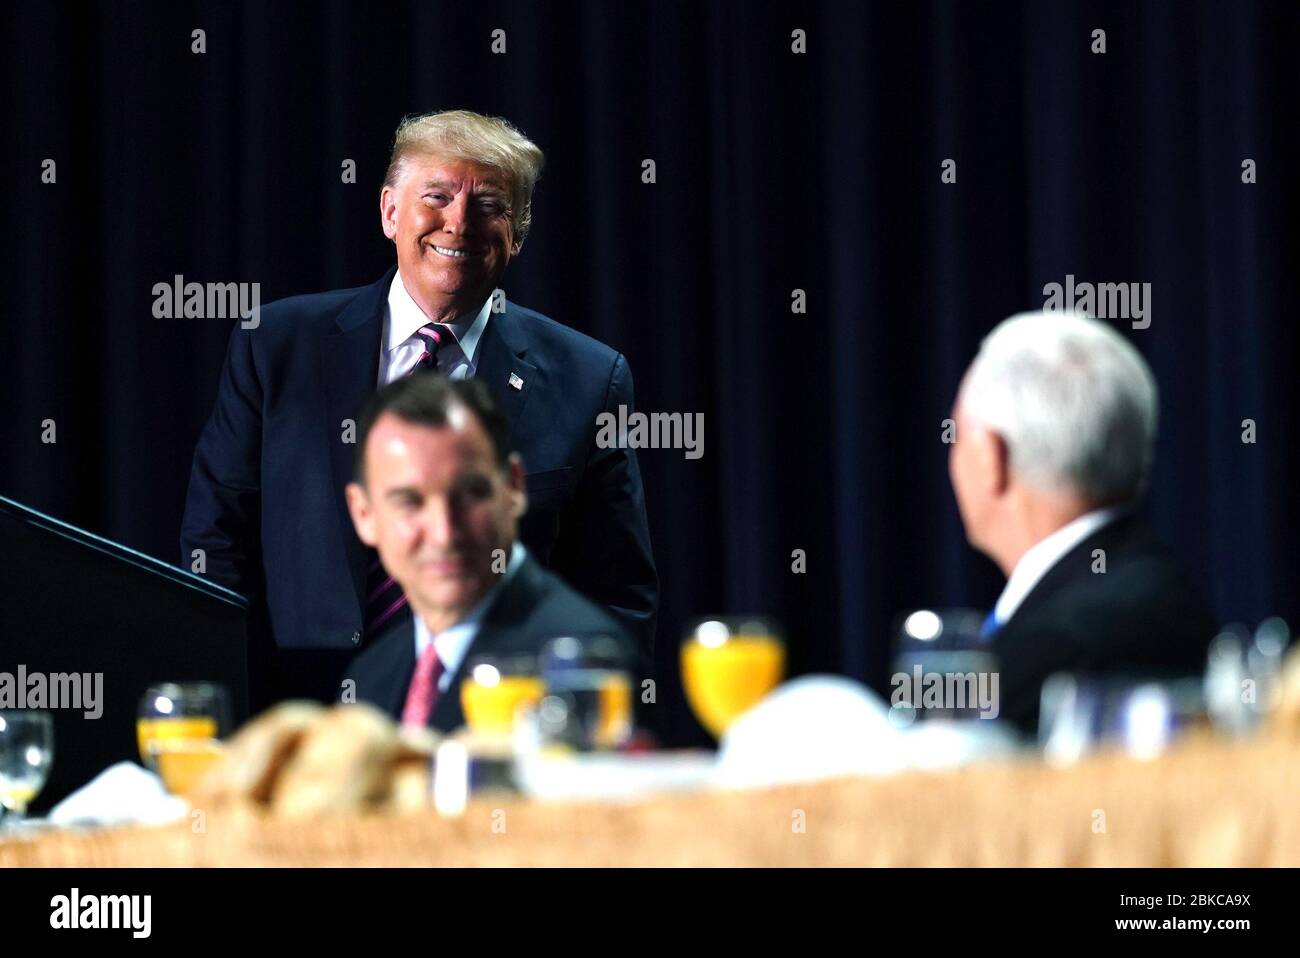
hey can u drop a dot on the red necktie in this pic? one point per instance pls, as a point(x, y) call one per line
point(422, 696)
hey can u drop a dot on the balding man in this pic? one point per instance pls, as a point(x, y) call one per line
point(266, 506)
point(1055, 422)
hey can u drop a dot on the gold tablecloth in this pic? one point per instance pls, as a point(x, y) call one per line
point(1207, 803)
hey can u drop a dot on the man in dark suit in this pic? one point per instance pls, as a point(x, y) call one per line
point(265, 514)
point(438, 495)
point(1055, 422)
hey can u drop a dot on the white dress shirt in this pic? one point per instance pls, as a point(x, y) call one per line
point(453, 642)
point(401, 348)
point(1044, 554)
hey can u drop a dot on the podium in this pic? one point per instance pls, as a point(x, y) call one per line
point(73, 602)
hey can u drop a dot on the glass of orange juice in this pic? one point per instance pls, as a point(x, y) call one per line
point(495, 689)
point(179, 727)
point(728, 665)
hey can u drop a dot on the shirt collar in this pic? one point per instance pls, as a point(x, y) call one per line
point(454, 642)
point(405, 317)
point(1044, 554)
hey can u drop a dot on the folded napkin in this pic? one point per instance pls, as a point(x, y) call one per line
point(122, 794)
point(827, 726)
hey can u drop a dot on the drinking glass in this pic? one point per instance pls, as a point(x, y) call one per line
point(588, 702)
point(26, 754)
point(1140, 715)
point(943, 667)
point(1243, 675)
point(728, 666)
point(496, 688)
point(179, 727)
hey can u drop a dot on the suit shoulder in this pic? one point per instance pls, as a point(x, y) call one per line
point(556, 336)
point(1124, 566)
point(1139, 578)
point(306, 310)
point(562, 608)
point(1143, 603)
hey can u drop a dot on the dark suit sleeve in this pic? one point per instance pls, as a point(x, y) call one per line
point(222, 508)
point(604, 545)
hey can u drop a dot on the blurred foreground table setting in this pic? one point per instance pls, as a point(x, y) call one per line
point(816, 771)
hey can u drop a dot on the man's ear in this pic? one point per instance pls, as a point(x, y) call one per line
point(359, 508)
point(388, 211)
point(518, 486)
point(997, 466)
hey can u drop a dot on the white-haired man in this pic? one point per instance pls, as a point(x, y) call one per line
point(266, 512)
point(1055, 422)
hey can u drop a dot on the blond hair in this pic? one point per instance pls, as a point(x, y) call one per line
point(487, 140)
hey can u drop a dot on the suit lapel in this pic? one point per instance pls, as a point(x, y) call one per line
point(403, 671)
point(502, 364)
point(350, 371)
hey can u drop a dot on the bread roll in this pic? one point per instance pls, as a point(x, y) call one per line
point(254, 757)
point(343, 763)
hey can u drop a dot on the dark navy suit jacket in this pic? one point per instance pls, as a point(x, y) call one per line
point(1142, 617)
point(532, 608)
point(266, 496)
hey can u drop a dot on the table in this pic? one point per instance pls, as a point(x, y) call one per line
point(1208, 802)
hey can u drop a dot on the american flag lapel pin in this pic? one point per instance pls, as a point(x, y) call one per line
point(516, 382)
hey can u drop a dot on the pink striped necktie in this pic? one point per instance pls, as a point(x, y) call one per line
point(422, 695)
point(384, 599)
point(434, 336)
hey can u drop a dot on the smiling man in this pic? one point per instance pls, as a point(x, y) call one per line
point(266, 512)
point(451, 222)
point(439, 495)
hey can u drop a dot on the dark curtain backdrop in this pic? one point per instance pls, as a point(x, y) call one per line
point(775, 172)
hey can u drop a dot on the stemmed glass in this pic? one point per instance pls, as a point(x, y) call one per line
point(728, 666)
point(26, 754)
point(179, 726)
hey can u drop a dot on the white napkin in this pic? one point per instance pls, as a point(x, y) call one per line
point(827, 726)
point(122, 794)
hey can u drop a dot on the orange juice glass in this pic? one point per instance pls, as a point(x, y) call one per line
point(494, 690)
point(728, 666)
